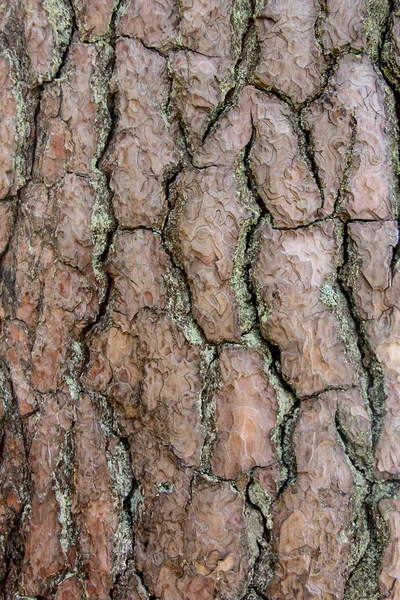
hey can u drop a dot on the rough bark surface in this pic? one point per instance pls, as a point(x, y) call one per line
point(200, 300)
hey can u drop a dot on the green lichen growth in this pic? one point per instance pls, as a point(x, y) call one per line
point(119, 460)
point(72, 378)
point(207, 355)
point(254, 533)
point(391, 54)
point(78, 352)
point(394, 141)
point(22, 126)
point(73, 386)
point(253, 339)
point(246, 310)
point(120, 469)
point(59, 15)
point(359, 533)
point(63, 492)
point(63, 497)
point(179, 307)
point(101, 224)
point(5, 395)
point(331, 296)
point(359, 448)
point(376, 392)
point(121, 482)
point(136, 504)
point(122, 6)
point(100, 86)
point(258, 7)
point(363, 582)
point(259, 497)
point(178, 291)
point(286, 402)
point(105, 414)
point(167, 113)
point(164, 488)
point(122, 545)
point(374, 25)
point(238, 281)
point(240, 16)
point(208, 405)
point(344, 188)
point(263, 310)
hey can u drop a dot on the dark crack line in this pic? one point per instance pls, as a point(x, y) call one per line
point(15, 547)
point(309, 154)
point(368, 357)
point(239, 79)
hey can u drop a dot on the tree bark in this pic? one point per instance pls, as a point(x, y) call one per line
point(200, 314)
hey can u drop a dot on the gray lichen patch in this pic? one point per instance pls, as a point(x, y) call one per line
point(102, 223)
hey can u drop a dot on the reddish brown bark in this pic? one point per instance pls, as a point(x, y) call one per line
point(199, 315)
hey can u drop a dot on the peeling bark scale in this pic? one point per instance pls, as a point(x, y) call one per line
point(200, 300)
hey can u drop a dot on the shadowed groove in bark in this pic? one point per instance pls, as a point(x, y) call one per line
point(12, 548)
point(363, 581)
point(243, 67)
point(393, 84)
point(272, 351)
point(372, 370)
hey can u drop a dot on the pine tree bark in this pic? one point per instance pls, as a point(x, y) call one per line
point(200, 315)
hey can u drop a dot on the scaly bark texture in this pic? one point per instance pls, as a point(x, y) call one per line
point(200, 300)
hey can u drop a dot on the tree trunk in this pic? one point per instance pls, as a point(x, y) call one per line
point(200, 313)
